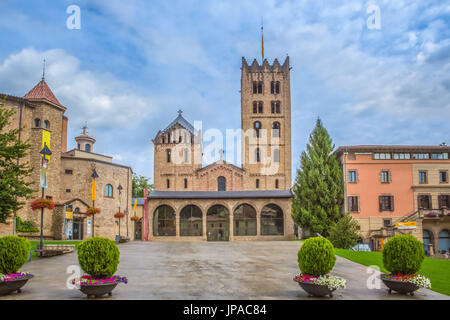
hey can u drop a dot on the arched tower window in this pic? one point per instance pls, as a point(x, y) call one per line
point(185, 183)
point(168, 155)
point(257, 128)
point(260, 106)
point(276, 129)
point(186, 156)
point(255, 107)
point(46, 124)
point(221, 184)
point(276, 155)
point(168, 183)
point(87, 147)
point(258, 155)
point(257, 184)
point(37, 123)
point(108, 191)
point(277, 184)
point(275, 87)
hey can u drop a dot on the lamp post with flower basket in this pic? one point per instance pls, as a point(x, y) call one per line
point(41, 203)
point(94, 177)
point(119, 214)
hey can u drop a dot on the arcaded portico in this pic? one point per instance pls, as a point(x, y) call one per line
point(220, 216)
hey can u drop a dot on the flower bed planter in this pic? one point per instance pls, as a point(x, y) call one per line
point(405, 284)
point(15, 283)
point(99, 287)
point(316, 290)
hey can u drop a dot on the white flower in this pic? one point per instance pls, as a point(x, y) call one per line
point(332, 282)
point(421, 281)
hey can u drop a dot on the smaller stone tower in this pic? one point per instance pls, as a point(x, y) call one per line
point(84, 141)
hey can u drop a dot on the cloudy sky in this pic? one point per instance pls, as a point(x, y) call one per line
point(133, 64)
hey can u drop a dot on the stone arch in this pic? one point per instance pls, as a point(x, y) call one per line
point(245, 219)
point(444, 241)
point(218, 222)
point(164, 221)
point(272, 220)
point(191, 220)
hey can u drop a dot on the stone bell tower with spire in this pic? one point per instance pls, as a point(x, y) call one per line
point(266, 124)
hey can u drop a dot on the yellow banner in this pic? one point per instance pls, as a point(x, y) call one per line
point(135, 204)
point(69, 215)
point(45, 140)
point(94, 187)
point(406, 225)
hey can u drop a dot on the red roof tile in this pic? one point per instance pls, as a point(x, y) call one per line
point(42, 91)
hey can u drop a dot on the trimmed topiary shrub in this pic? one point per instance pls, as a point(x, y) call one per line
point(99, 257)
point(316, 256)
point(14, 253)
point(403, 254)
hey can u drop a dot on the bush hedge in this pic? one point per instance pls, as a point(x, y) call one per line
point(14, 253)
point(99, 257)
point(403, 254)
point(316, 256)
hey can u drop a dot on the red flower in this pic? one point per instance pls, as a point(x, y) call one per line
point(119, 215)
point(91, 211)
point(42, 203)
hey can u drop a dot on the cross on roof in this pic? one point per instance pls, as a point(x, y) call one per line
point(180, 112)
point(221, 152)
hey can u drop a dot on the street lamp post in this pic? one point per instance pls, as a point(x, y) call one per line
point(94, 176)
point(44, 152)
point(120, 193)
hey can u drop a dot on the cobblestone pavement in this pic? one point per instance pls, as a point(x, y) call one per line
point(205, 270)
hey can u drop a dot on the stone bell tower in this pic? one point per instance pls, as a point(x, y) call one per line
point(266, 125)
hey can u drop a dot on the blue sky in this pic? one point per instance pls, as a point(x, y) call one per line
point(133, 64)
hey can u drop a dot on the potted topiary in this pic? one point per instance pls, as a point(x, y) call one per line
point(316, 258)
point(14, 253)
point(402, 257)
point(99, 258)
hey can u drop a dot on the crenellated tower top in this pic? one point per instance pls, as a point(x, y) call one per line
point(265, 66)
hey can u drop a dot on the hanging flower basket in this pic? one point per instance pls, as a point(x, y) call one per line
point(135, 218)
point(91, 211)
point(119, 215)
point(42, 203)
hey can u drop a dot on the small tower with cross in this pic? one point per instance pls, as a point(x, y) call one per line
point(84, 141)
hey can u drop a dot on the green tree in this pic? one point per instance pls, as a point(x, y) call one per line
point(318, 190)
point(344, 233)
point(14, 174)
point(139, 184)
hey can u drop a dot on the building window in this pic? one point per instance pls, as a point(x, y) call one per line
point(439, 156)
point(387, 222)
point(255, 107)
point(386, 203)
point(163, 139)
point(257, 87)
point(381, 156)
point(257, 184)
point(37, 123)
point(275, 87)
point(277, 184)
point(68, 171)
point(424, 201)
point(258, 155)
point(276, 155)
point(443, 241)
point(78, 146)
point(168, 183)
point(46, 124)
point(168, 155)
point(244, 220)
point(421, 156)
point(186, 156)
point(87, 147)
point(353, 203)
point(444, 201)
point(443, 176)
point(423, 177)
point(272, 221)
point(352, 176)
point(191, 221)
point(276, 129)
point(185, 183)
point(385, 176)
point(68, 190)
point(108, 191)
point(168, 137)
point(164, 221)
point(221, 184)
point(257, 128)
point(275, 106)
point(402, 156)
point(260, 106)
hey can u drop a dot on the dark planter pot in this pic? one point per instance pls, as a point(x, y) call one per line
point(11, 286)
point(402, 287)
point(316, 290)
point(97, 290)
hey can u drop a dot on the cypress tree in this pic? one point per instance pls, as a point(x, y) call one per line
point(318, 189)
point(14, 182)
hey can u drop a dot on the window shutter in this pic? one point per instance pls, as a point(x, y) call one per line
point(380, 203)
point(392, 202)
point(357, 204)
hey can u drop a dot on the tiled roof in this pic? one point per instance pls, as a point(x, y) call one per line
point(388, 148)
point(220, 194)
point(42, 91)
point(182, 121)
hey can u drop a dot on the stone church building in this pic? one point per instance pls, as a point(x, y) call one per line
point(41, 117)
point(220, 201)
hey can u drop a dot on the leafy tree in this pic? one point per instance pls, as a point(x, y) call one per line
point(318, 190)
point(139, 184)
point(14, 174)
point(344, 233)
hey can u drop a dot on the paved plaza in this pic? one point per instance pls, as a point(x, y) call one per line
point(205, 270)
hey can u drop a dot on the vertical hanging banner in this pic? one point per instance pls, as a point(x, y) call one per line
point(94, 188)
point(44, 162)
point(135, 204)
